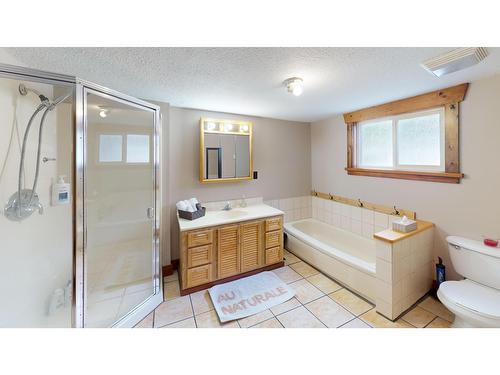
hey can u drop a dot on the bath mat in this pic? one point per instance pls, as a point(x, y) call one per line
point(249, 295)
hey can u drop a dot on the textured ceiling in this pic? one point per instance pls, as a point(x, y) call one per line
point(249, 80)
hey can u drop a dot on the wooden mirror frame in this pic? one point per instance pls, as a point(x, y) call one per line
point(239, 123)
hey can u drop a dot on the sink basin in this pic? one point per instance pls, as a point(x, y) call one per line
point(233, 214)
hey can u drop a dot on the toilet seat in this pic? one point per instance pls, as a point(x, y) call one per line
point(475, 298)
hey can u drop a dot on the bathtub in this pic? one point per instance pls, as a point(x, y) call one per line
point(340, 254)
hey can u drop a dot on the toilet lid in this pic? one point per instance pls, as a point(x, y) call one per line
point(468, 294)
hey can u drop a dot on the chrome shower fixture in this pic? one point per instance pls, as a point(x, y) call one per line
point(24, 202)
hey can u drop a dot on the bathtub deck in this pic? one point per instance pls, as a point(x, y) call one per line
point(319, 302)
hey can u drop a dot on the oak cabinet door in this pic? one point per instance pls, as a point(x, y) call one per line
point(251, 245)
point(228, 254)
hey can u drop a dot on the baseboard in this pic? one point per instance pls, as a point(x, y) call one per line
point(170, 268)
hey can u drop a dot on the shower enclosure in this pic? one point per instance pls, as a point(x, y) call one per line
point(79, 195)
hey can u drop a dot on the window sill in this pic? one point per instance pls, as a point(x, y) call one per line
point(452, 178)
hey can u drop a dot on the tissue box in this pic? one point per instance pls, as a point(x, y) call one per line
point(404, 226)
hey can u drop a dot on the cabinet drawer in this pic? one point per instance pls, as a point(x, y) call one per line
point(273, 255)
point(273, 224)
point(198, 238)
point(198, 256)
point(198, 275)
point(273, 238)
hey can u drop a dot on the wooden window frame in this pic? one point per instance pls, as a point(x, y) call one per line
point(448, 98)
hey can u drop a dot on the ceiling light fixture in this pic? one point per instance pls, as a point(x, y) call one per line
point(294, 85)
point(228, 127)
point(211, 125)
point(103, 113)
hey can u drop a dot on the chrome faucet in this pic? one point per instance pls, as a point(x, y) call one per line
point(227, 207)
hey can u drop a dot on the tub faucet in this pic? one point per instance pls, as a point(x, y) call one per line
point(227, 207)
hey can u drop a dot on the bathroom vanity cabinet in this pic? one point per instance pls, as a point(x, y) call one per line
point(220, 253)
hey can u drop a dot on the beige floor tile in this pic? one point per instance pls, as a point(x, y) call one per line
point(270, 323)
point(201, 302)
point(186, 323)
point(438, 323)
point(285, 306)
point(147, 322)
point(173, 311)
point(171, 290)
point(374, 319)
point(305, 292)
point(351, 302)
point(299, 318)
point(255, 319)
point(329, 312)
point(324, 283)
point(355, 323)
point(211, 320)
point(287, 274)
point(418, 317)
point(437, 308)
point(304, 269)
point(290, 258)
point(172, 277)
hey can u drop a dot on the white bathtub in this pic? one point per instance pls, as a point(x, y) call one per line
point(340, 254)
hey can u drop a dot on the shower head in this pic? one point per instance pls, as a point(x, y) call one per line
point(23, 90)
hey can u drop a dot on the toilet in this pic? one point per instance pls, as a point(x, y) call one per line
point(475, 301)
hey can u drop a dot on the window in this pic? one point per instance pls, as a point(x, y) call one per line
point(124, 148)
point(137, 148)
point(414, 138)
point(411, 142)
point(110, 148)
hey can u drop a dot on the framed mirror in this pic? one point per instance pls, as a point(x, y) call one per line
point(225, 150)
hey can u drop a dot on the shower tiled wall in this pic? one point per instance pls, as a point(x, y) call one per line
point(360, 221)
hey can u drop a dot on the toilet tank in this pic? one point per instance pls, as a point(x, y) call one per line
point(475, 261)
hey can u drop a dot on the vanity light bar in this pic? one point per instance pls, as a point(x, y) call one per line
point(235, 127)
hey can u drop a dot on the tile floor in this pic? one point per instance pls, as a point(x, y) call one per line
point(319, 302)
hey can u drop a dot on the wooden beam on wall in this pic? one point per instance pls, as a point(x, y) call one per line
point(433, 99)
point(451, 138)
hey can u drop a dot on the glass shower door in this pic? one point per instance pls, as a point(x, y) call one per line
point(121, 263)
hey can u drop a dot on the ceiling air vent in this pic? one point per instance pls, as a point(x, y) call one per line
point(455, 60)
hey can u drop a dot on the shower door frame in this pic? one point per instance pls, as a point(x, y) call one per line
point(79, 87)
point(139, 312)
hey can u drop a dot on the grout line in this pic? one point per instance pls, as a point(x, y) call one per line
point(192, 310)
point(430, 321)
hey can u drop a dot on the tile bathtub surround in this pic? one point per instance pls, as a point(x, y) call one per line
point(404, 272)
point(360, 221)
point(296, 208)
point(320, 302)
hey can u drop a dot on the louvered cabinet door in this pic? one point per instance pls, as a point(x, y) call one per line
point(251, 240)
point(228, 254)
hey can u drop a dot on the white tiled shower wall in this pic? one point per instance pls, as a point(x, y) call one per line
point(360, 221)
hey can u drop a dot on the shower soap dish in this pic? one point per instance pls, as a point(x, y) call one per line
point(404, 225)
point(200, 212)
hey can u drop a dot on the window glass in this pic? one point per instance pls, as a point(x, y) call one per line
point(110, 148)
point(375, 144)
point(419, 140)
point(137, 148)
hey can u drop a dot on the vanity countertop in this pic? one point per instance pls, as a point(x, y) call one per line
point(237, 214)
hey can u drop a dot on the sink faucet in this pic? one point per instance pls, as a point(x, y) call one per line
point(227, 207)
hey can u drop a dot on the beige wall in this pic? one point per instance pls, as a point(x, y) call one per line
point(281, 155)
point(470, 209)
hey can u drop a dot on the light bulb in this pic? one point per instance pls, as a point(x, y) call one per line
point(228, 127)
point(294, 85)
point(297, 89)
point(244, 128)
point(210, 125)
